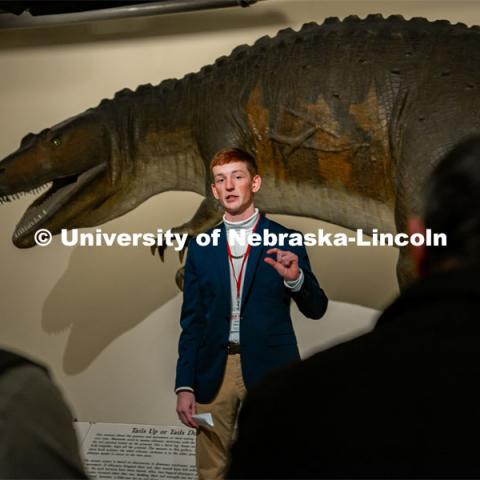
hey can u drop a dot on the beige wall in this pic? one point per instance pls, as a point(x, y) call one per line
point(106, 319)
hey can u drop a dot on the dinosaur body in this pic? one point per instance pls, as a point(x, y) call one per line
point(346, 120)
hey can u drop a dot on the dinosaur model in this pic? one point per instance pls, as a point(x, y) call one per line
point(346, 120)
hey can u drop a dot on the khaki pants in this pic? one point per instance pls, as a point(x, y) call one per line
point(213, 443)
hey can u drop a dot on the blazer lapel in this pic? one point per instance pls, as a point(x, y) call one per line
point(222, 268)
point(253, 259)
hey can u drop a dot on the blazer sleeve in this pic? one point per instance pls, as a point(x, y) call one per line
point(191, 321)
point(310, 299)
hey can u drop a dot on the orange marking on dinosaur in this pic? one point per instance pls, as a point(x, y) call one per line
point(333, 145)
point(268, 157)
point(336, 169)
point(308, 143)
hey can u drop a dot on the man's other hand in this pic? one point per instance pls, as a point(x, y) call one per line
point(286, 263)
point(186, 408)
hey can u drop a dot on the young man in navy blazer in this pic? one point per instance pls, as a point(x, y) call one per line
point(235, 319)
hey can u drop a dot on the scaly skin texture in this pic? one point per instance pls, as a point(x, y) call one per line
point(346, 121)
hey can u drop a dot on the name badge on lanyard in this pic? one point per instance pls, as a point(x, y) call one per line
point(235, 322)
point(235, 318)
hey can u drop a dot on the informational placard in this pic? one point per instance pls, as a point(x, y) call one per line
point(130, 452)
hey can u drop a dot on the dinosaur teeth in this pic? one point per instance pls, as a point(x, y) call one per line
point(36, 219)
point(41, 187)
point(18, 195)
point(49, 203)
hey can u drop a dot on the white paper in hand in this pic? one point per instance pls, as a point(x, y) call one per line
point(204, 419)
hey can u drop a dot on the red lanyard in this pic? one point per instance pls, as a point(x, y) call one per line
point(238, 280)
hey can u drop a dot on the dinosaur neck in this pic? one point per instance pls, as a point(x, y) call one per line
point(156, 150)
point(171, 161)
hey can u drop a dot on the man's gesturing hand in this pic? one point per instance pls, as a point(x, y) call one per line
point(286, 263)
point(186, 408)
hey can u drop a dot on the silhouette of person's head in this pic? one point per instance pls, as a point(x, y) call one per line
point(452, 206)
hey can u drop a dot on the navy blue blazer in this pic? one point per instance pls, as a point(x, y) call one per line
point(266, 333)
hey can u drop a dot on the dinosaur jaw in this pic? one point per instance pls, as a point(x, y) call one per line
point(40, 213)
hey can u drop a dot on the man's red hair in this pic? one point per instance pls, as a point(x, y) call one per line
point(229, 155)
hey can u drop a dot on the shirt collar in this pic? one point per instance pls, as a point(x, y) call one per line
point(247, 223)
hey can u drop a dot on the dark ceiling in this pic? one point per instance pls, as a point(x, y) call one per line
point(52, 7)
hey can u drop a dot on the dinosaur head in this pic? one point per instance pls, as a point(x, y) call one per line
point(73, 160)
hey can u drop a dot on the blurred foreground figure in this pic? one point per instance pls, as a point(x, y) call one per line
point(401, 401)
point(37, 438)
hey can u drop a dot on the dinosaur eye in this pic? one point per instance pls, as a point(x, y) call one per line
point(56, 141)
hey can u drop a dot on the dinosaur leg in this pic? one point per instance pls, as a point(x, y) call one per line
point(208, 214)
point(432, 124)
point(412, 171)
point(423, 147)
point(405, 269)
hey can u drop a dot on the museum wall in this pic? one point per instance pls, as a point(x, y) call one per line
point(106, 319)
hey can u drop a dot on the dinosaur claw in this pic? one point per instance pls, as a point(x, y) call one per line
point(161, 252)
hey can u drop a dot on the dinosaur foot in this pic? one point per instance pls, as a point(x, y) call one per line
point(162, 248)
point(161, 251)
